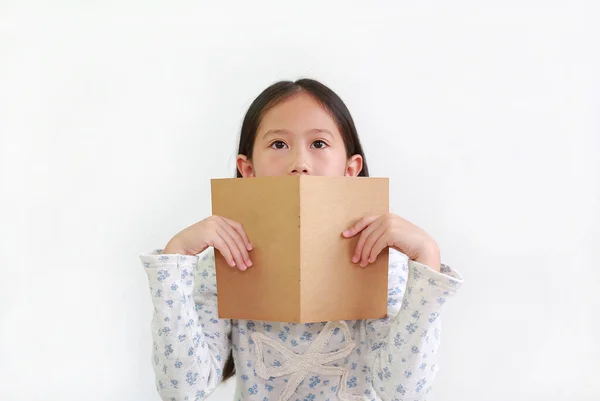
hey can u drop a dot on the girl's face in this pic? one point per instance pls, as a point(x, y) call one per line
point(298, 136)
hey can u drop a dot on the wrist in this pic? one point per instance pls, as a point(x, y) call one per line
point(173, 247)
point(430, 256)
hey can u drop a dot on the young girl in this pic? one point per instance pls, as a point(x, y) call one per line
point(297, 127)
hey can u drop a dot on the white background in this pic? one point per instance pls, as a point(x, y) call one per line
point(115, 115)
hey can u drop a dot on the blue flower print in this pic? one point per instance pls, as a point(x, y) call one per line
point(433, 316)
point(196, 339)
point(163, 275)
point(412, 327)
point(376, 346)
point(191, 378)
point(313, 381)
point(306, 336)
point(394, 291)
point(398, 340)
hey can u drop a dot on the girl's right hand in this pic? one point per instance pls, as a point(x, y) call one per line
point(225, 235)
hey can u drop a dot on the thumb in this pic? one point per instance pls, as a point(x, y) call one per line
point(359, 226)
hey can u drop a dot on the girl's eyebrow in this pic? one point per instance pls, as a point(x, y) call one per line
point(288, 132)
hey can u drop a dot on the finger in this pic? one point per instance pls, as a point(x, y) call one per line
point(362, 239)
point(369, 242)
point(359, 226)
point(240, 238)
point(379, 246)
point(233, 247)
point(222, 246)
point(239, 241)
point(240, 230)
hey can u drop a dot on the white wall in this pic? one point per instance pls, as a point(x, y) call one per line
point(113, 118)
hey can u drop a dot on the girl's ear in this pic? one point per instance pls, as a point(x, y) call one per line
point(244, 166)
point(354, 166)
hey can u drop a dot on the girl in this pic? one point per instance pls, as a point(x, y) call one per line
point(297, 127)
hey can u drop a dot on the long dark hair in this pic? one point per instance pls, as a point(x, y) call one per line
point(277, 93)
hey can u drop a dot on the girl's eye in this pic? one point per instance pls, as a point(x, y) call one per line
point(319, 144)
point(278, 145)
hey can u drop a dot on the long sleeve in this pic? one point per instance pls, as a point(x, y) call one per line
point(190, 343)
point(407, 359)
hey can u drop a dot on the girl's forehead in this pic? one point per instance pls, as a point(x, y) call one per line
point(299, 112)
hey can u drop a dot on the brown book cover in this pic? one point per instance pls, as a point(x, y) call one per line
point(302, 269)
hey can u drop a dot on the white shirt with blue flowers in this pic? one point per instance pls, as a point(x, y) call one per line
point(395, 358)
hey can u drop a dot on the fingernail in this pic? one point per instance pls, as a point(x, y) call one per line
point(243, 267)
point(346, 232)
point(248, 262)
point(249, 247)
point(231, 263)
point(354, 258)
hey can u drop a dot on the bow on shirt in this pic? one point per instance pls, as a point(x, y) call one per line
point(312, 360)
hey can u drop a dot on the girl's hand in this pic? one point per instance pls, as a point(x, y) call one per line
point(224, 234)
point(390, 230)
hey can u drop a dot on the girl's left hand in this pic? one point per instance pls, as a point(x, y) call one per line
point(390, 230)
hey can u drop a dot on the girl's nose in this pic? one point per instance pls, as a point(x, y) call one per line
point(298, 170)
point(300, 165)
